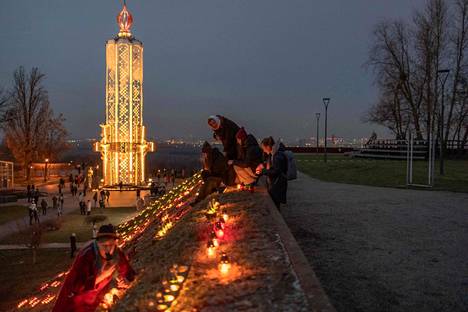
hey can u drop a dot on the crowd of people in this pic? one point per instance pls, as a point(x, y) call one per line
point(243, 161)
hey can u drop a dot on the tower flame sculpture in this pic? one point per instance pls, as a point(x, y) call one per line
point(123, 146)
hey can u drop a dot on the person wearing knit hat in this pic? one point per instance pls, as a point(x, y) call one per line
point(97, 264)
point(249, 157)
point(225, 130)
point(241, 135)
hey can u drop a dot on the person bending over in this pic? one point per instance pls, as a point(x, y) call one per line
point(215, 171)
point(225, 130)
point(249, 157)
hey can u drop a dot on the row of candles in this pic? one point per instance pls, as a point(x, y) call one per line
point(218, 221)
point(171, 288)
point(162, 208)
point(128, 231)
point(172, 285)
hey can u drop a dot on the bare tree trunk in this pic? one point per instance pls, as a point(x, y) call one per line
point(460, 42)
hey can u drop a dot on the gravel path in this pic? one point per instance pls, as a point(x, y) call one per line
point(383, 249)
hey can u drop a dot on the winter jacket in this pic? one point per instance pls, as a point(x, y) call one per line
point(277, 169)
point(79, 292)
point(216, 165)
point(226, 133)
point(250, 154)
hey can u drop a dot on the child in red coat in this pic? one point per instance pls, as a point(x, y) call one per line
point(92, 273)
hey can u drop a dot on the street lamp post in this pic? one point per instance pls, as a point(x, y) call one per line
point(317, 115)
point(443, 75)
point(326, 101)
point(46, 162)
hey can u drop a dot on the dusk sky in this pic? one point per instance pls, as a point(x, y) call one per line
point(264, 63)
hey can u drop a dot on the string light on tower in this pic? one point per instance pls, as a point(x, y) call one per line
point(123, 145)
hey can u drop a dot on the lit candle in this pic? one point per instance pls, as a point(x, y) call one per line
point(108, 299)
point(219, 233)
point(224, 264)
point(174, 287)
point(225, 216)
point(219, 230)
point(214, 239)
point(169, 298)
point(210, 249)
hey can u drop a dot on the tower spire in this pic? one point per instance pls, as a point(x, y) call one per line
point(125, 21)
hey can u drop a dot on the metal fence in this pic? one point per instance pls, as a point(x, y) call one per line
point(6, 175)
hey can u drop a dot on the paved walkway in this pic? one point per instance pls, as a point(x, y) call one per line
point(44, 246)
point(383, 249)
point(117, 199)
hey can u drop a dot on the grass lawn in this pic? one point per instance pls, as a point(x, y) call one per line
point(74, 223)
point(18, 275)
point(8, 213)
point(388, 173)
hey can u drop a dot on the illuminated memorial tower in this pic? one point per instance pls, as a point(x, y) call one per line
point(123, 145)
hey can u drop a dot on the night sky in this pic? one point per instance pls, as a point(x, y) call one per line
point(264, 63)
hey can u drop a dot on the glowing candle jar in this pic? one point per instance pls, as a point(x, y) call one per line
point(225, 216)
point(222, 222)
point(214, 239)
point(161, 306)
point(218, 230)
point(210, 249)
point(174, 287)
point(224, 265)
point(169, 298)
point(108, 299)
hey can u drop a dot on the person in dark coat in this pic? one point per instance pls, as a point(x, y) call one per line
point(95, 198)
point(29, 193)
point(276, 169)
point(44, 206)
point(82, 208)
point(36, 196)
point(225, 130)
point(215, 171)
point(72, 245)
point(96, 266)
point(249, 157)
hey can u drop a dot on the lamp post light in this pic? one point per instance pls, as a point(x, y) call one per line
point(317, 115)
point(326, 101)
point(443, 75)
point(46, 162)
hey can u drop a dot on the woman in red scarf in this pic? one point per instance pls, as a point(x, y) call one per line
point(92, 273)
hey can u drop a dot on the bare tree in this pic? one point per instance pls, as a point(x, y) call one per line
point(396, 74)
point(31, 130)
point(55, 137)
point(4, 101)
point(458, 110)
point(406, 59)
